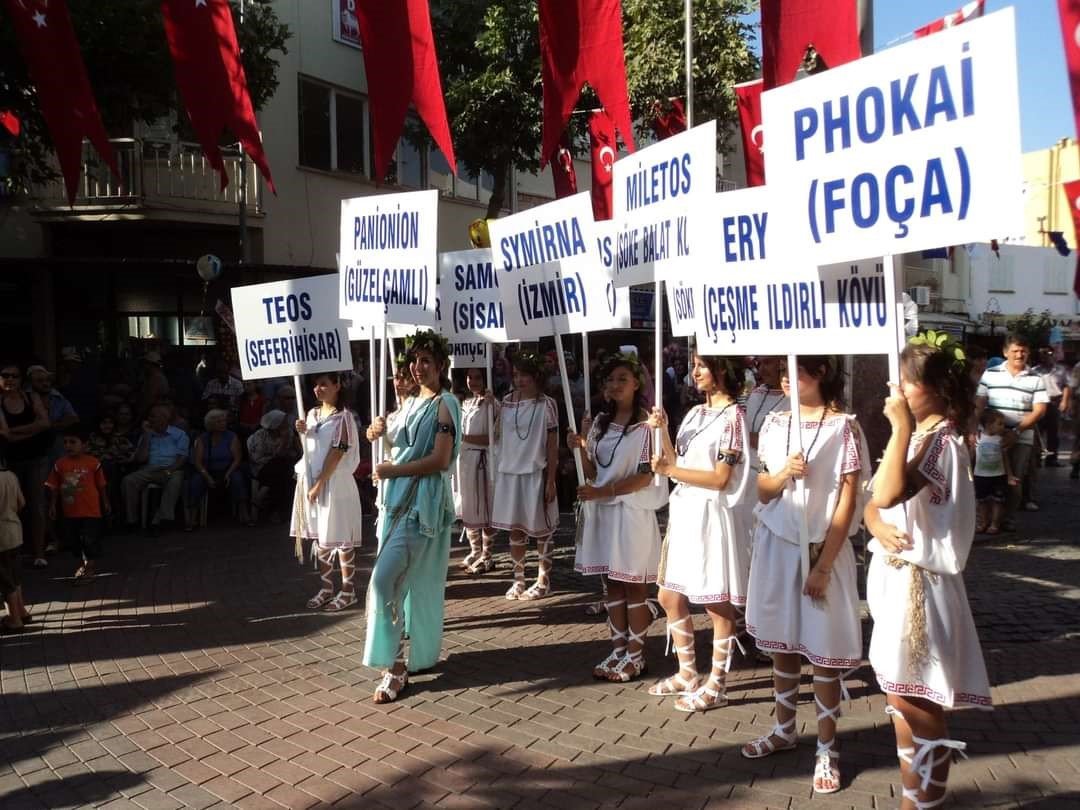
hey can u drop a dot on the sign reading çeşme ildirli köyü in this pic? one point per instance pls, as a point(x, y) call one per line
point(840, 307)
point(616, 298)
point(388, 264)
point(290, 327)
point(551, 279)
point(660, 230)
point(471, 313)
point(909, 149)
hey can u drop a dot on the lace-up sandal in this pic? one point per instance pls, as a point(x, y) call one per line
point(325, 594)
point(712, 694)
point(343, 600)
point(618, 640)
point(542, 586)
point(391, 685)
point(922, 762)
point(474, 550)
point(632, 665)
point(827, 757)
point(518, 588)
point(686, 681)
point(785, 732)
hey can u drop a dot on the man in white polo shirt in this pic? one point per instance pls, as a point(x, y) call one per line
point(1020, 394)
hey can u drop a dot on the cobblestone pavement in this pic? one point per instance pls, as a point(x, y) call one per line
point(190, 676)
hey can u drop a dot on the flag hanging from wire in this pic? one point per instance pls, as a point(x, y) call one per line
point(602, 152)
point(748, 99)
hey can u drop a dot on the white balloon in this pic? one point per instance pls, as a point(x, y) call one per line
point(208, 267)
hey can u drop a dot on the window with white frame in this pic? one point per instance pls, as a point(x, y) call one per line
point(333, 128)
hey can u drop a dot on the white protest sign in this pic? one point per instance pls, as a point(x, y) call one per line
point(468, 354)
point(290, 327)
point(660, 230)
point(684, 305)
point(912, 148)
point(550, 276)
point(616, 298)
point(387, 263)
point(471, 313)
point(841, 308)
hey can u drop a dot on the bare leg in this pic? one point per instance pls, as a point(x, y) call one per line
point(787, 671)
point(924, 751)
point(542, 586)
point(473, 536)
point(326, 588)
point(681, 631)
point(617, 623)
point(638, 620)
point(518, 542)
point(828, 685)
point(713, 693)
point(347, 596)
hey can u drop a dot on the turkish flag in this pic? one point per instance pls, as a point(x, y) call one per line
point(581, 41)
point(602, 150)
point(563, 173)
point(667, 123)
point(210, 77)
point(1069, 11)
point(789, 27)
point(1072, 196)
point(748, 99)
point(402, 69)
point(971, 11)
point(47, 41)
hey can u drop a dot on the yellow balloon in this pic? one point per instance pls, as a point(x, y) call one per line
point(478, 233)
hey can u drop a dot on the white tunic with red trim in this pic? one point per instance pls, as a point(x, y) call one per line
point(940, 520)
point(779, 617)
point(706, 554)
point(522, 466)
point(334, 519)
point(620, 536)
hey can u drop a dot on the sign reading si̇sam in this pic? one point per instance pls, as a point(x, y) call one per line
point(838, 308)
point(469, 305)
point(388, 262)
point(910, 149)
point(290, 327)
point(660, 231)
point(550, 274)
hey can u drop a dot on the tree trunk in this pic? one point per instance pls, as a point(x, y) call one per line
point(500, 173)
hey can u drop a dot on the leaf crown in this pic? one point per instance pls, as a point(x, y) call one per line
point(627, 359)
point(529, 363)
point(426, 340)
point(941, 342)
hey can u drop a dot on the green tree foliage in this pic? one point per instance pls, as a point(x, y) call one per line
point(489, 56)
point(127, 59)
point(1035, 326)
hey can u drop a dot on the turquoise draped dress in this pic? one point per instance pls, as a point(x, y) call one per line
point(408, 582)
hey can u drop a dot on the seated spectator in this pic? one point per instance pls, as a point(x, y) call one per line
point(162, 451)
point(273, 450)
point(114, 450)
point(225, 388)
point(252, 407)
point(78, 491)
point(124, 422)
point(285, 401)
point(218, 462)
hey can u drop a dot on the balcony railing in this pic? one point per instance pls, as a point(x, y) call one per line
point(157, 173)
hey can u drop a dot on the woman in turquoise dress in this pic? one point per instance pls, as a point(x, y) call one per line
point(408, 582)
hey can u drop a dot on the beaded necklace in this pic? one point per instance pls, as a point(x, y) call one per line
point(615, 449)
point(532, 417)
point(813, 441)
point(754, 426)
point(683, 447)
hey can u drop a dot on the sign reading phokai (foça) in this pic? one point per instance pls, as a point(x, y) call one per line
point(387, 262)
point(290, 327)
point(913, 148)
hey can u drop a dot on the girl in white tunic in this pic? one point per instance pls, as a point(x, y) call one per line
point(925, 649)
point(527, 435)
point(473, 485)
point(767, 396)
point(620, 537)
point(326, 505)
point(817, 619)
point(706, 556)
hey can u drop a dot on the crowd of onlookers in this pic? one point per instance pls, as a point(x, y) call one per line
point(169, 442)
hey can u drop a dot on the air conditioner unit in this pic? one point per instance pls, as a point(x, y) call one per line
point(921, 296)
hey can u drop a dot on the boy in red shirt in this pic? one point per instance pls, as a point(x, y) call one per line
point(78, 483)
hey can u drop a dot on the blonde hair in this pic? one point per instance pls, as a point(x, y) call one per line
point(213, 415)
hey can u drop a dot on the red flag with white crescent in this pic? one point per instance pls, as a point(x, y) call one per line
point(788, 27)
point(602, 149)
point(211, 80)
point(748, 98)
point(47, 40)
point(666, 123)
point(582, 41)
point(1069, 12)
point(563, 174)
point(402, 68)
point(971, 11)
point(1072, 195)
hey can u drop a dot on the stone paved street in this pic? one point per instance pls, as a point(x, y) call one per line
point(189, 675)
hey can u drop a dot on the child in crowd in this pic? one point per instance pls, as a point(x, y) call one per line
point(77, 483)
point(11, 501)
point(993, 473)
point(925, 649)
point(474, 489)
point(528, 453)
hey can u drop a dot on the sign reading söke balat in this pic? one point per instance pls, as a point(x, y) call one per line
point(387, 263)
point(290, 327)
point(910, 149)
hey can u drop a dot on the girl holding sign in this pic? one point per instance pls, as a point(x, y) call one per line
point(326, 506)
point(706, 557)
point(817, 619)
point(473, 479)
point(408, 581)
point(620, 537)
point(528, 455)
point(925, 649)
